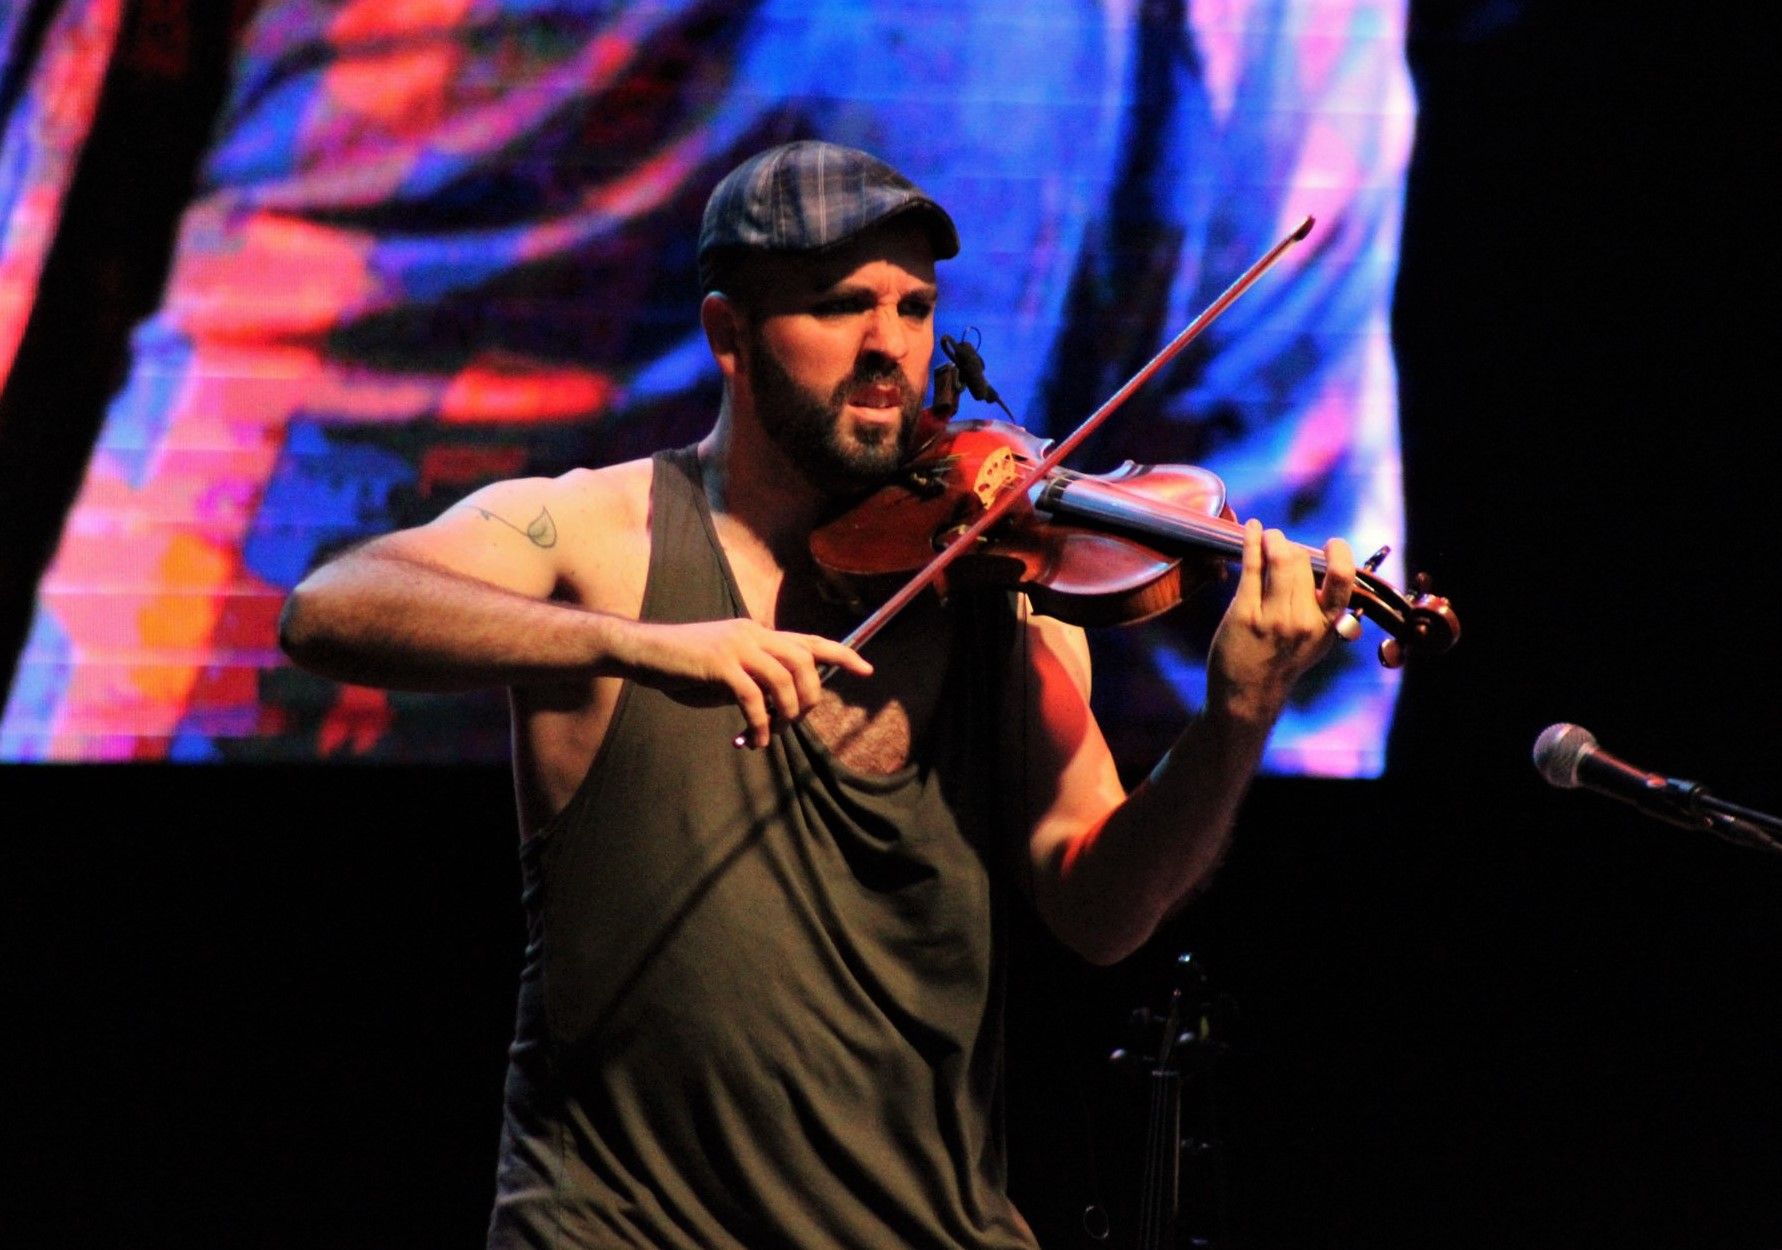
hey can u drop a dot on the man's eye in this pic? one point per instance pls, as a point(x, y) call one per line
point(918, 309)
point(839, 307)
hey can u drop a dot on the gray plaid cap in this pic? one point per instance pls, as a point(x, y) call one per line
point(808, 196)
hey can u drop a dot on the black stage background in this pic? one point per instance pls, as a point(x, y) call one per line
point(268, 1007)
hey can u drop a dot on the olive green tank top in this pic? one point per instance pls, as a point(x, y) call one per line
point(762, 1002)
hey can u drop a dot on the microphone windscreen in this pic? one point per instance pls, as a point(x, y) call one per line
point(1558, 752)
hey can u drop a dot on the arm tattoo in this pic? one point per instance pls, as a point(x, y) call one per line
point(541, 531)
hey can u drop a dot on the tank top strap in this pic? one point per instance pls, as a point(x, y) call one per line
point(689, 578)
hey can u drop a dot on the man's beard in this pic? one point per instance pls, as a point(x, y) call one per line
point(808, 428)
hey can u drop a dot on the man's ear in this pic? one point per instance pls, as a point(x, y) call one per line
point(722, 321)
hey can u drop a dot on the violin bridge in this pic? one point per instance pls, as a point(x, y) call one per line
point(996, 473)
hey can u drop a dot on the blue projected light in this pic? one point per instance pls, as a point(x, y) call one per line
point(428, 255)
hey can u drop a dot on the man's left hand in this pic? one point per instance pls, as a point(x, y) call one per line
point(1280, 623)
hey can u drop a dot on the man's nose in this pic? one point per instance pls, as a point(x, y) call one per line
point(886, 333)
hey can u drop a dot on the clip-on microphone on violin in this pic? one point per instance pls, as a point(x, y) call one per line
point(971, 371)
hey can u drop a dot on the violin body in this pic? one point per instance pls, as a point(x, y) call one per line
point(1091, 550)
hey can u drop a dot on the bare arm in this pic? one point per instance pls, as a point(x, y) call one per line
point(1108, 867)
point(486, 596)
point(459, 603)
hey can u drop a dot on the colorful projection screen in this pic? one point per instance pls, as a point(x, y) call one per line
point(441, 242)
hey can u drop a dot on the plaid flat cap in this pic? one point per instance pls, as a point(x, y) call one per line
point(811, 195)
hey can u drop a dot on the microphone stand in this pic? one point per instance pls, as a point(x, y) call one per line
point(1742, 826)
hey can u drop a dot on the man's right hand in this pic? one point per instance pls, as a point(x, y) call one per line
point(773, 677)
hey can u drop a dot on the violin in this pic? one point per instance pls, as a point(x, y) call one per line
point(1089, 549)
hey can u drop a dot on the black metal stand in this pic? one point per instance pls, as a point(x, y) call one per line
point(1743, 826)
point(1180, 1148)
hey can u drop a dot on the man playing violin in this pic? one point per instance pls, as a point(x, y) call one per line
point(761, 1004)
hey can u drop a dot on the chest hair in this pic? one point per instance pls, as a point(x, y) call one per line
point(871, 725)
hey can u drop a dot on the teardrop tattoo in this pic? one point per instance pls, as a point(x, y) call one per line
point(541, 531)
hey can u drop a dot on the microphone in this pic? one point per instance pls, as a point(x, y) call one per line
point(1567, 756)
point(971, 371)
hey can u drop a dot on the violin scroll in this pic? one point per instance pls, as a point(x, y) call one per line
point(1421, 623)
point(1417, 624)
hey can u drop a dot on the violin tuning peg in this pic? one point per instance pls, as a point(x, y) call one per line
point(1372, 563)
point(1348, 626)
point(1421, 583)
point(1392, 653)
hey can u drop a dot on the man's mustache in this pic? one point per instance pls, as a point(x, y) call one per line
point(876, 373)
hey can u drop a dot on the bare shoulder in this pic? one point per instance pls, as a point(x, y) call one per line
point(614, 496)
point(601, 518)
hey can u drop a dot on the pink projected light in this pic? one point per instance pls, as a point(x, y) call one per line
point(442, 242)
